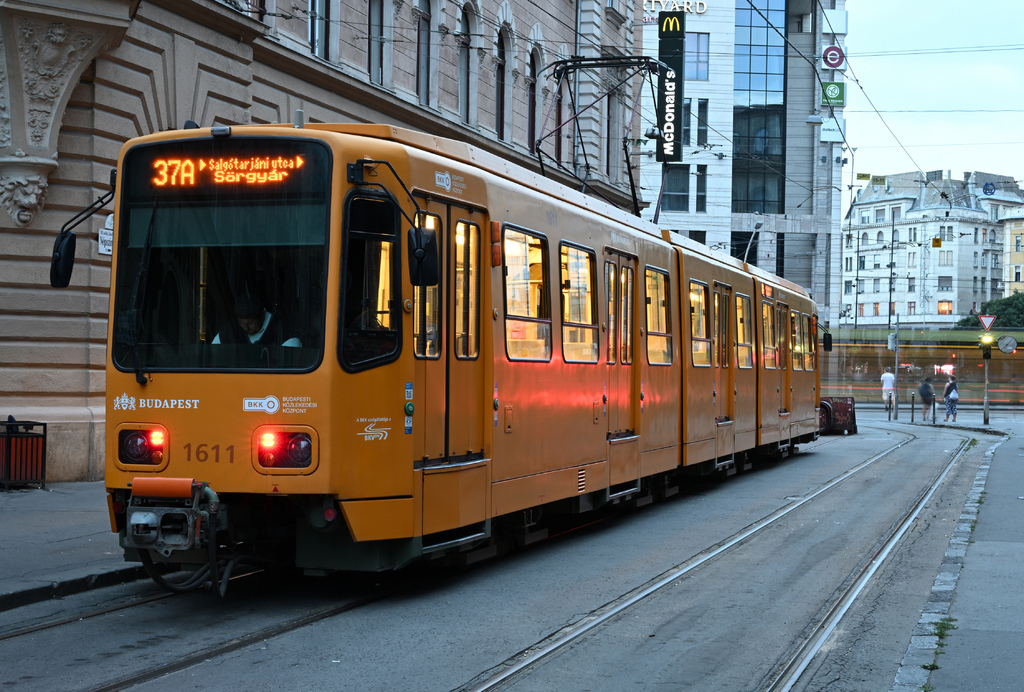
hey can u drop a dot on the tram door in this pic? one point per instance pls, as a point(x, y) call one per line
point(449, 370)
point(770, 387)
point(785, 372)
point(724, 368)
point(620, 299)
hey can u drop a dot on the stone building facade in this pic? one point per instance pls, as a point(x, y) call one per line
point(81, 77)
point(926, 246)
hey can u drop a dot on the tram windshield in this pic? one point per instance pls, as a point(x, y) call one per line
point(221, 255)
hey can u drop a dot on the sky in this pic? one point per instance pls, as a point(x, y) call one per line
point(956, 71)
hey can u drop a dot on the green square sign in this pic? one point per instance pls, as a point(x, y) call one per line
point(833, 94)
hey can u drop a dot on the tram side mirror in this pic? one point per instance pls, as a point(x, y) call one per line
point(826, 342)
point(62, 262)
point(423, 262)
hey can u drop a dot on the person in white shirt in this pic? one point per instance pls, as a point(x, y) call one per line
point(888, 388)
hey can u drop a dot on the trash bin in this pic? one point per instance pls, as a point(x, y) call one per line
point(23, 453)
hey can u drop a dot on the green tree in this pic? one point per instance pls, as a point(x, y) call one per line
point(1009, 313)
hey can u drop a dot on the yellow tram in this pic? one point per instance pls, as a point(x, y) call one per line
point(347, 347)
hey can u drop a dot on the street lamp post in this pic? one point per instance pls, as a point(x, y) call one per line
point(757, 226)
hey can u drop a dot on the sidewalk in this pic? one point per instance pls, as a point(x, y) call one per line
point(57, 541)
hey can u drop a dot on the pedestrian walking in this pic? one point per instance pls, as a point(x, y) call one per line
point(951, 396)
point(888, 388)
point(927, 392)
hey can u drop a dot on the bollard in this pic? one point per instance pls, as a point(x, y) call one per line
point(912, 407)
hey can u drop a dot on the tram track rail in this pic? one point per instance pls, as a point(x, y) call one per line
point(520, 665)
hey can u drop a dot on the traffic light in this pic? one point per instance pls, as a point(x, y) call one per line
point(986, 345)
point(892, 341)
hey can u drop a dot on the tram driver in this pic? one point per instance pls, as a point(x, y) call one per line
point(254, 324)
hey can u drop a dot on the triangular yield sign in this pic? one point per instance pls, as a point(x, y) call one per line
point(986, 321)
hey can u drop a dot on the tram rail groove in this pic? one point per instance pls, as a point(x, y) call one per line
point(793, 668)
point(521, 663)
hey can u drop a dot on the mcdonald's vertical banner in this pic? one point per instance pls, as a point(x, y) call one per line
point(671, 49)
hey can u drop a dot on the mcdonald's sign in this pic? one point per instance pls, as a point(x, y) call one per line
point(671, 49)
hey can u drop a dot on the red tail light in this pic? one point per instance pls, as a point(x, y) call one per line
point(290, 450)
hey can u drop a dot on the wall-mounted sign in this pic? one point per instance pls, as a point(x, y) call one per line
point(671, 47)
point(833, 94)
point(833, 58)
point(832, 130)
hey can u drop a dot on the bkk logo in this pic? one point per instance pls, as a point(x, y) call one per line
point(270, 404)
point(443, 180)
point(371, 432)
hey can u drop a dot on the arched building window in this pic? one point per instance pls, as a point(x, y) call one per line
point(500, 83)
point(423, 52)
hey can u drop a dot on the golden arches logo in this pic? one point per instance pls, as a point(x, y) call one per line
point(671, 24)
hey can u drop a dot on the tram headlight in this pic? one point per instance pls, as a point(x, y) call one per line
point(141, 446)
point(290, 450)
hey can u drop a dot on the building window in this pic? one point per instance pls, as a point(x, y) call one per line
point(945, 307)
point(876, 307)
point(860, 285)
point(1016, 272)
point(896, 213)
point(848, 287)
point(864, 239)
point(975, 259)
point(984, 259)
point(676, 195)
point(945, 283)
point(1017, 241)
point(423, 61)
point(849, 240)
point(375, 42)
point(319, 22)
point(849, 264)
point(895, 236)
point(911, 284)
point(984, 235)
point(531, 108)
point(860, 309)
point(500, 85)
point(880, 238)
point(702, 188)
point(466, 68)
point(983, 284)
point(696, 56)
point(911, 308)
point(912, 259)
point(865, 216)
point(685, 138)
point(879, 216)
point(876, 285)
point(702, 122)
point(892, 308)
point(974, 285)
point(861, 262)
point(876, 261)
point(994, 213)
point(759, 112)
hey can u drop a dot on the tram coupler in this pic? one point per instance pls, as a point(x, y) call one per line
point(170, 514)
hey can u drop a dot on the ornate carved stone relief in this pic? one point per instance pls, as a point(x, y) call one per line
point(43, 52)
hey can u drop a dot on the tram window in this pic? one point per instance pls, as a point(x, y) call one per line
point(796, 340)
point(611, 316)
point(769, 340)
point(721, 346)
point(427, 304)
point(369, 323)
point(579, 316)
point(527, 297)
point(744, 333)
point(700, 334)
point(659, 329)
point(626, 288)
point(467, 290)
point(810, 343)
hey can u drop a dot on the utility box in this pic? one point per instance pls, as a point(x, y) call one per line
point(22, 453)
point(838, 414)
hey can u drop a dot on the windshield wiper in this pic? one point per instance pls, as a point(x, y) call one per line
point(138, 294)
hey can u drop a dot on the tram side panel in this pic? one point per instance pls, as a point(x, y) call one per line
point(548, 387)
